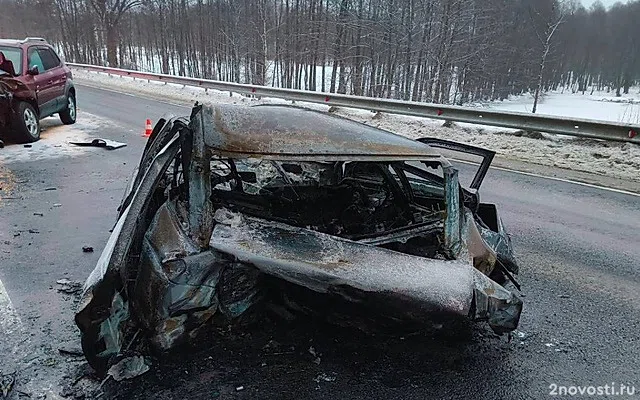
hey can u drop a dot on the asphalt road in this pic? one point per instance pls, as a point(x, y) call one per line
point(577, 246)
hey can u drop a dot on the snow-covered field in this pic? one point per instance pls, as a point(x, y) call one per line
point(600, 106)
point(615, 160)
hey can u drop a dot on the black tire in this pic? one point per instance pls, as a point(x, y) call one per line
point(27, 124)
point(68, 115)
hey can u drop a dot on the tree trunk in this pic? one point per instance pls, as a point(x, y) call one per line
point(112, 46)
point(536, 97)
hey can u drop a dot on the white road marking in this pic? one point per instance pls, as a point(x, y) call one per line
point(553, 178)
point(11, 326)
point(17, 350)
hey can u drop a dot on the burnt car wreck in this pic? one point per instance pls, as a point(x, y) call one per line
point(238, 206)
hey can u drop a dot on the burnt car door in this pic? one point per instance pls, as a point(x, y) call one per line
point(486, 214)
point(486, 155)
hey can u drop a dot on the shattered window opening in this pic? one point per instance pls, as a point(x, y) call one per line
point(354, 200)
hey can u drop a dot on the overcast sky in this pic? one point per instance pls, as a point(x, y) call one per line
point(607, 3)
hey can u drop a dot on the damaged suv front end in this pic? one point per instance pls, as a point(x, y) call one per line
point(241, 206)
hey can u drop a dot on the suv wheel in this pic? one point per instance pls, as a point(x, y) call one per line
point(68, 115)
point(27, 125)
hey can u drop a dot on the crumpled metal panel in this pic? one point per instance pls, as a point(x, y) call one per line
point(325, 263)
point(106, 280)
point(110, 329)
point(180, 287)
point(500, 243)
point(495, 304)
point(320, 262)
point(452, 223)
point(484, 257)
point(199, 179)
point(281, 132)
point(176, 285)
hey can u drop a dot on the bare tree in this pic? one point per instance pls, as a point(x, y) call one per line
point(109, 14)
point(546, 25)
point(448, 51)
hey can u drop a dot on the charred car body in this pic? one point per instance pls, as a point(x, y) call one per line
point(238, 206)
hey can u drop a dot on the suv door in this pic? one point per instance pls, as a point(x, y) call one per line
point(45, 89)
point(53, 66)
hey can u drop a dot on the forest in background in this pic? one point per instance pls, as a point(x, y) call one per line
point(442, 51)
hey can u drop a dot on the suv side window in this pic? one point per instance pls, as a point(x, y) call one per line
point(35, 60)
point(49, 58)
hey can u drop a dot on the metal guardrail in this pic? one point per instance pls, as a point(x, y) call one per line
point(619, 132)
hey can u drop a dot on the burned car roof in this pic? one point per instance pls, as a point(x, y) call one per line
point(276, 131)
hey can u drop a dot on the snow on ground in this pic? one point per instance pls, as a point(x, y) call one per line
point(616, 160)
point(55, 138)
point(598, 106)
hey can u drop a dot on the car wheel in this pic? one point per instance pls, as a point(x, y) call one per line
point(27, 125)
point(68, 115)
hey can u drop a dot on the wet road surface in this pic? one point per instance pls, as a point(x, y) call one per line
point(580, 272)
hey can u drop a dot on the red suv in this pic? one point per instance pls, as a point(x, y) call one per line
point(34, 84)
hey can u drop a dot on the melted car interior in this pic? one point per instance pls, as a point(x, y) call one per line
point(354, 200)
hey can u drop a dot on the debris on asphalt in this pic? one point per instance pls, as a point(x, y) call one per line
point(239, 388)
point(49, 362)
point(69, 287)
point(50, 188)
point(128, 368)
point(316, 358)
point(71, 348)
point(6, 383)
point(105, 143)
point(520, 335)
point(57, 205)
point(28, 146)
point(70, 391)
point(271, 346)
point(324, 378)
point(87, 249)
point(30, 231)
point(38, 214)
point(564, 296)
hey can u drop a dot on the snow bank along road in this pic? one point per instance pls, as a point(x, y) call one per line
point(577, 246)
